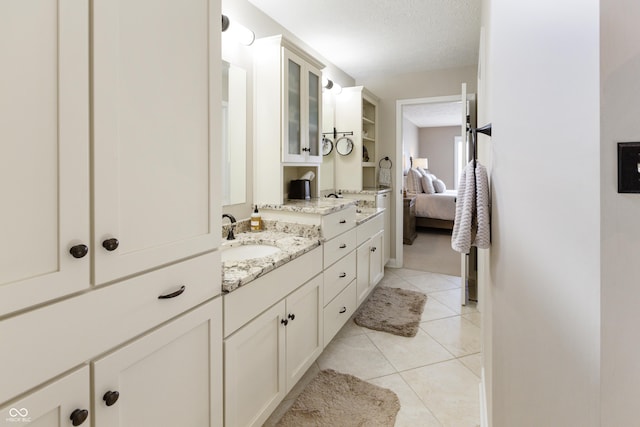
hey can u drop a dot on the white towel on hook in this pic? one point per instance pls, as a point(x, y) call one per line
point(384, 177)
point(471, 226)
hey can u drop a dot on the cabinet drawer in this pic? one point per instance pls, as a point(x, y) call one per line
point(338, 276)
point(339, 311)
point(369, 228)
point(80, 328)
point(338, 222)
point(338, 247)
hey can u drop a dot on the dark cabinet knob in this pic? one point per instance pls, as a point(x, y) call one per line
point(343, 310)
point(110, 244)
point(78, 416)
point(373, 249)
point(343, 221)
point(285, 322)
point(79, 251)
point(291, 316)
point(342, 275)
point(110, 397)
point(342, 246)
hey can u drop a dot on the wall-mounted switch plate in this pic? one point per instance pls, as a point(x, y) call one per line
point(629, 167)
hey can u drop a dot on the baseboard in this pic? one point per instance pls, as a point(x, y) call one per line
point(392, 263)
point(484, 419)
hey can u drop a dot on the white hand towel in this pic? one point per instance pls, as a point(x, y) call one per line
point(384, 177)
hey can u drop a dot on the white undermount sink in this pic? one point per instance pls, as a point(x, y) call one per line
point(244, 252)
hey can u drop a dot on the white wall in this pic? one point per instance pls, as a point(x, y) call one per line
point(545, 255)
point(410, 143)
point(620, 232)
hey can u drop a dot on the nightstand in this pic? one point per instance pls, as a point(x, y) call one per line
point(409, 232)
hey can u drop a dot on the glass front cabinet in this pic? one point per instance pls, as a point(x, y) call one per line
point(301, 110)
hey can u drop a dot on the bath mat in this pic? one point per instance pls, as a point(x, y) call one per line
point(394, 310)
point(336, 399)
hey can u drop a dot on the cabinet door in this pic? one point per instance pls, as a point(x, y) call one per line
point(170, 377)
point(156, 122)
point(376, 259)
point(304, 329)
point(254, 369)
point(362, 274)
point(54, 404)
point(384, 201)
point(314, 112)
point(44, 134)
point(293, 108)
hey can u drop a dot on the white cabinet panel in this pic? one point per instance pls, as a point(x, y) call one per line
point(53, 404)
point(170, 377)
point(44, 129)
point(254, 369)
point(154, 133)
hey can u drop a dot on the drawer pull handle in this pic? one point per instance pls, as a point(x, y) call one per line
point(173, 294)
point(110, 397)
point(79, 251)
point(291, 316)
point(285, 322)
point(343, 310)
point(78, 416)
point(110, 244)
point(342, 275)
point(343, 221)
point(342, 246)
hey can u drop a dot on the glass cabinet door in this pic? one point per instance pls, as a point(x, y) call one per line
point(294, 83)
point(314, 114)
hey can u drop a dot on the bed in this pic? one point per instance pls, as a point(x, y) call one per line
point(436, 210)
point(435, 206)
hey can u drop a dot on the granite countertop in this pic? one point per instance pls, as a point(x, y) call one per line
point(368, 190)
point(239, 273)
point(365, 214)
point(321, 206)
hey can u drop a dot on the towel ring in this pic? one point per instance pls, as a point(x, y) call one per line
point(388, 160)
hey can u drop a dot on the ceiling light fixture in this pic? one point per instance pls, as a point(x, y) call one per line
point(237, 32)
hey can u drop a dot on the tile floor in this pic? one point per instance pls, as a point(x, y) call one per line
point(435, 374)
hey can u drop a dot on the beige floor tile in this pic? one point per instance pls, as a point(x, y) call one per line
point(432, 282)
point(434, 309)
point(449, 390)
point(407, 272)
point(474, 317)
point(355, 355)
point(350, 329)
point(473, 362)
point(452, 299)
point(410, 352)
point(413, 411)
point(458, 335)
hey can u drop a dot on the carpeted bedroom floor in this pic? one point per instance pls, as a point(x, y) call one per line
point(431, 251)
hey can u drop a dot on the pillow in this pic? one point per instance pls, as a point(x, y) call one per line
point(413, 181)
point(424, 172)
point(439, 186)
point(427, 184)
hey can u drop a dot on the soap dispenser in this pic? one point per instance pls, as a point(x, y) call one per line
point(256, 220)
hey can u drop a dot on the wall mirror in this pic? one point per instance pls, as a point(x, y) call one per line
point(234, 134)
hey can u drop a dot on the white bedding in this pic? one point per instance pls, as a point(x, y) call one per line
point(437, 205)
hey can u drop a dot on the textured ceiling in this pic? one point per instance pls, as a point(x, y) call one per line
point(434, 114)
point(375, 38)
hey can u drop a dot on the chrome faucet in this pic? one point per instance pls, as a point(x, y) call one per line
point(230, 236)
point(332, 195)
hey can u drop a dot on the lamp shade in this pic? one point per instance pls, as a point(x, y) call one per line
point(421, 163)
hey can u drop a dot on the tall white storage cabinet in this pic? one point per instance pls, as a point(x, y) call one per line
point(288, 97)
point(110, 122)
point(357, 111)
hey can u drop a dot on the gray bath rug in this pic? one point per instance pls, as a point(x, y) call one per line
point(394, 310)
point(334, 399)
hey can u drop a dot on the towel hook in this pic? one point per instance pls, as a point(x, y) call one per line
point(388, 160)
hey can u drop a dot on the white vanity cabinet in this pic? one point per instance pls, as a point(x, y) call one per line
point(288, 111)
point(171, 376)
point(370, 254)
point(274, 332)
point(109, 158)
point(63, 402)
